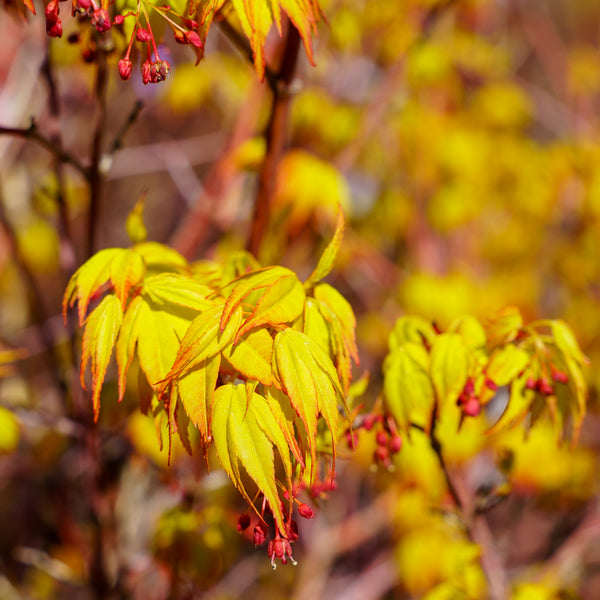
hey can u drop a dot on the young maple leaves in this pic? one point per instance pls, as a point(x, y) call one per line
point(253, 360)
point(430, 374)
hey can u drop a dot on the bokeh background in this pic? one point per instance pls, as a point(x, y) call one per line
point(462, 139)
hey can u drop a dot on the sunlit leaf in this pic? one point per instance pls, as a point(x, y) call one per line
point(448, 367)
point(171, 289)
point(327, 259)
point(241, 440)
point(100, 335)
point(196, 390)
point(408, 389)
point(205, 338)
point(567, 342)
point(310, 380)
point(126, 271)
point(252, 355)
point(506, 363)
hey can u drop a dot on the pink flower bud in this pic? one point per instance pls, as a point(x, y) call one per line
point(194, 39)
point(305, 511)
point(125, 66)
point(472, 407)
point(146, 70)
point(544, 387)
point(395, 444)
point(54, 29)
point(191, 24)
point(142, 35)
point(259, 534)
point(101, 21)
point(381, 438)
point(119, 20)
point(560, 376)
point(531, 383)
point(159, 71)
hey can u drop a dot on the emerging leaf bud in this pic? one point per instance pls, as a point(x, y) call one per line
point(305, 511)
point(125, 66)
point(259, 534)
point(243, 522)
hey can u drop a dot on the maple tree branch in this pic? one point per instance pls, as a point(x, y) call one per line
point(275, 136)
point(476, 525)
point(32, 133)
point(96, 178)
point(131, 119)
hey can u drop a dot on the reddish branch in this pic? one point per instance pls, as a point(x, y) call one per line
point(275, 137)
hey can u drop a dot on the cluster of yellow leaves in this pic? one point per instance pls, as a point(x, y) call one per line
point(427, 372)
point(251, 357)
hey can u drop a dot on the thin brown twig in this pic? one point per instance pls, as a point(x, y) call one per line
point(476, 526)
point(32, 133)
point(131, 119)
point(96, 179)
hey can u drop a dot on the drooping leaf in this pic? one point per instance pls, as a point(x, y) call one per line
point(518, 406)
point(448, 367)
point(506, 363)
point(171, 289)
point(408, 388)
point(127, 341)
point(126, 271)
point(204, 338)
point(341, 308)
point(101, 329)
point(310, 380)
point(281, 303)
point(87, 279)
point(159, 332)
point(567, 342)
point(327, 259)
point(241, 440)
point(196, 390)
point(252, 355)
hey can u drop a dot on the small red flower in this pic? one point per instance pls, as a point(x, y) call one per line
point(125, 66)
point(259, 534)
point(395, 444)
point(560, 376)
point(305, 511)
point(472, 407)
point(280, 548)
point(101, 20)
